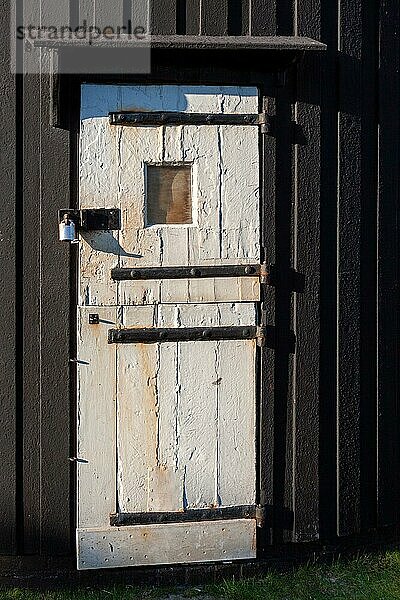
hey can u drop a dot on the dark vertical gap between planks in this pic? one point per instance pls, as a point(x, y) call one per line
point(349, 227)
point(306, 247)
point(388, 265)
point(235, 16)
point(8, 484)
point(328, 277)
point(74, 14)
point(283, 364)
point(368, 274)
point(285, 14)
point(181, 17)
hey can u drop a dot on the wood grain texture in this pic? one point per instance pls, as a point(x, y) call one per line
point(163, 17)
point(31, 302)
point(182, 433)
point(225, 193)
point(208, 541)
point(262, 17)
point(349, 224)
point(96, 413)
point(306, 261)
point(8, 543)
point(214, 17)
point(54, 337)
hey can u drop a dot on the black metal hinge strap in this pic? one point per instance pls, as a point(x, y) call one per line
point(122, 274)
point(192, 515)
point(150, 335)
point(182, 118)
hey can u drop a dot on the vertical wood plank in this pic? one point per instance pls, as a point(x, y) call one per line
point(87, 12)
point(214, 17)
point(55, 335)
point(193, 17)
point(197, 421)
point(388, 266)
point(236, 398)
point(163, 17)
point(109, 14)
point(8, 474)
point(349, 222)
point(96, 413)
point(262, 17)
point(138, 414)
point(141, 14)
point(31, 481)
point(98, 188)
point(306, 303)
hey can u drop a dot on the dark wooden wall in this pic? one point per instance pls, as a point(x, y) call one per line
point(331, 439)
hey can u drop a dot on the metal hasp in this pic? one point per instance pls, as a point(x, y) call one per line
point(93, 219)
point(187, 516)
point(201, 272)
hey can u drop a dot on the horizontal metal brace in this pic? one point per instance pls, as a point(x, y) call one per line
point(122, 274)
point(192, 515)
point(150, 335)
point(183, 118)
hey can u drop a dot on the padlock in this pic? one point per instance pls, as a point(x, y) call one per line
point(67, 229)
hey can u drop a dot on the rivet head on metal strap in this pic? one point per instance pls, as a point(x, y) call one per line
point(195, 272)
point(249, 270)
point(206, 333)
point(135, 274)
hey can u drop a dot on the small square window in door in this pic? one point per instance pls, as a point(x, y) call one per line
point(169, 195)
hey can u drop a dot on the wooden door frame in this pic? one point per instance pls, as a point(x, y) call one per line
point(274, 86)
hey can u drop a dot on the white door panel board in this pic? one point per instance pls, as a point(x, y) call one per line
point(96, 410)
point(140, 545)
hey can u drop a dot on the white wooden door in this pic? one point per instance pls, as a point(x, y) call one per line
point(166, 429)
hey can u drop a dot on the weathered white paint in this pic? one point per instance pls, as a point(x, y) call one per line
point(99, 100)
point(186, 413)
point(225, 196)
point(207, 541)
point(96, 435)
point(170, 426)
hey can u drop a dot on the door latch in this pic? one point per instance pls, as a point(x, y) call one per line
point(89, 219)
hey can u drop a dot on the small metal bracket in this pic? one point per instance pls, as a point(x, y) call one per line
point(94, 319)
point(261, 336)
point(93, 219)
